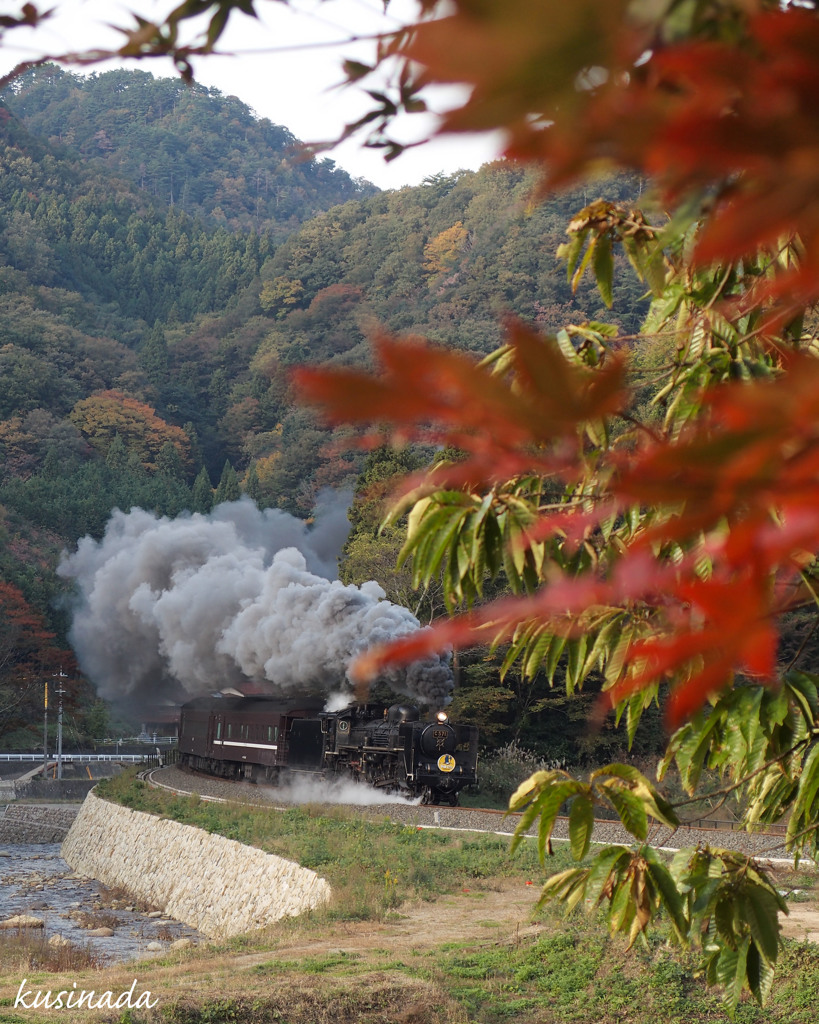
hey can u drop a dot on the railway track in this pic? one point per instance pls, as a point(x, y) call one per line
point(767, 845)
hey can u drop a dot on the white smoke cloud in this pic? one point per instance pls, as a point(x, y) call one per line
point(305, 790)
point(183, 607)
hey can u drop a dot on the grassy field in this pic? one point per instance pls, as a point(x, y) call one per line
point(424, 928)
point(372, 865)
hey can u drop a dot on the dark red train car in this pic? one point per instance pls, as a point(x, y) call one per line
point(258, 738)
point(242, 737)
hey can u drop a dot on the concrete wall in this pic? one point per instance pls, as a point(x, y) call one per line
point(53, 789)
point(26, 823)
point(214, 884)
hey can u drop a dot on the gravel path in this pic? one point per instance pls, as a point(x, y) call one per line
point(758, 844)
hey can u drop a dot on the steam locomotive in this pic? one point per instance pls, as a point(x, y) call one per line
point(258, 739)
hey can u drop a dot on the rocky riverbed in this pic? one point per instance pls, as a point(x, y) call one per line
point(37, 884)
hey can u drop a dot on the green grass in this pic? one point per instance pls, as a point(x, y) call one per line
point(372, 865)
point(571, 973)
point(574, 973)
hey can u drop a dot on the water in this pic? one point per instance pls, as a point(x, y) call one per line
point(36, 881)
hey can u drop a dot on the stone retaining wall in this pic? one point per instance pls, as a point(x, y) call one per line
point(214, 884)
point(26, 823)
point(54, 789)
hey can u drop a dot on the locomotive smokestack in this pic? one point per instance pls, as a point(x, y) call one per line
point(187, 606)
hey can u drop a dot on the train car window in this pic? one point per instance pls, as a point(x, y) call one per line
point(275, 733)
point(270, 734)
point(218, 730)
point(230, 730)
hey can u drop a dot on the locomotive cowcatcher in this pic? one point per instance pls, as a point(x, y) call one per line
point(258, 739)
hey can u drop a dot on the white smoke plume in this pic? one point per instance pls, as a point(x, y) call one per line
point(175, 608)
point(304, 789)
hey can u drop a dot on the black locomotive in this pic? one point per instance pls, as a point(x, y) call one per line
point(258, 739)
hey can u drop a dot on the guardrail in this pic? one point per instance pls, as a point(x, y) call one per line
point(129, 758)
point(706, 824)
point(729, 825)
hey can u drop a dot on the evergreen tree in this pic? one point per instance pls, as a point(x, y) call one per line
point(228, 489)
point(153, 357)
point(202, 492)
point(169, 463)
point(117, 457)
point(196, 448)
point(51, 464)
point(252, 485)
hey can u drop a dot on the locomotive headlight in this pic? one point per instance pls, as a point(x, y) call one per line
point(442, 717)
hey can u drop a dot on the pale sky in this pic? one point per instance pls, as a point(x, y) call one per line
point(282, 67)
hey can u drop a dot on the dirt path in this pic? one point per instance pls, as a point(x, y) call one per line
point(504, 914)
point(802, 922)
point(482, 916)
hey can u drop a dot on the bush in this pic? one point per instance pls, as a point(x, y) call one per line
point(502, 771)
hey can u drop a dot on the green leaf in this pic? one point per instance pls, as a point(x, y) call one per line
point(570, 251)
point(655, 271)
point(735, 985)
point(760, 976)
point(529, 789)
point(537, 652)
point(806, 795)
point(655, 804)
point(576, 657)
point(493, 545)
point(607, 861)
point(630, 808)
point(554, 657)
point(691, 755)
point(581, 268)
point(581, 825)
point(622, 908)
point(550, 803)
point(604, 268)
point(761, 912)
point(523, 826)
point(672, 899)
point(803, 688)
point(567, 885)
point(725, 918)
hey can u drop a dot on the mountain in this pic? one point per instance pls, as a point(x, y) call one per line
point(165, 262)
point(184, 146)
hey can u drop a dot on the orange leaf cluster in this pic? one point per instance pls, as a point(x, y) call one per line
point(726, 116)
point(450, 399)
point(740, 115)
point(108, 414)
point(740, 487)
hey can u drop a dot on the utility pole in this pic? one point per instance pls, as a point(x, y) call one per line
point(60, 676)
point(45, 732)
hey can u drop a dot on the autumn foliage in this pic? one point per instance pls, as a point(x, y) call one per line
point(656, 516)
point(717, 506)
point(111, 414)
point(651, 503)
point(737, 487)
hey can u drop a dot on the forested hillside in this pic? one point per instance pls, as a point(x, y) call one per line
point(165, 263)
point(185, 146)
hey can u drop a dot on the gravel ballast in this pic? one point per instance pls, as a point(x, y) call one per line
point(426, 816)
